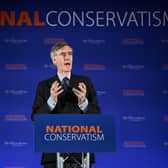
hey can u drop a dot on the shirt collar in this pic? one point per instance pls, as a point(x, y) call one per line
point(61, 76)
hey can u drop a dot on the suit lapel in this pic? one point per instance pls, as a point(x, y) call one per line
point(55, 78)
point(73, 81)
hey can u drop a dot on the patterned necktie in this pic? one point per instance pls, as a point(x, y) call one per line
point(65, 83)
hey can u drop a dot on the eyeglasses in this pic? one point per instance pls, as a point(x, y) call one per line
point(63, 54)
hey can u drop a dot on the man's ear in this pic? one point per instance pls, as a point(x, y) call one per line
point(54, 60)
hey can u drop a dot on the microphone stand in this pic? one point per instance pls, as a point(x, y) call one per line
point(60, 160)
point(85, 160)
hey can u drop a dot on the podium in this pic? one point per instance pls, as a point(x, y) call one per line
point(84, 164)
point(74, 133)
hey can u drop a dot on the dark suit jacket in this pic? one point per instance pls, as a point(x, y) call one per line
point(67, 103)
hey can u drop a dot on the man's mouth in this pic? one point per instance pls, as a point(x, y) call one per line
point(67, 64)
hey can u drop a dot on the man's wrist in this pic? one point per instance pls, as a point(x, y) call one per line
point(51, 103)
point(83, 105)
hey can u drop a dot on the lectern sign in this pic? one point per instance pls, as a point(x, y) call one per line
point(74, 133)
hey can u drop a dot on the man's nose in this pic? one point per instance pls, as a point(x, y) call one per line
point(69, 53)
point(67, 57)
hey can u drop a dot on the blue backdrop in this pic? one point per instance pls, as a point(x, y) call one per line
point(122, 47)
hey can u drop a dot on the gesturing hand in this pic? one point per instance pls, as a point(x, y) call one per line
point(55, 90)
point(81, 93)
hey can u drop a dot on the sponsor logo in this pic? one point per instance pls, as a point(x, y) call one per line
point(133, 118)
point(133, 41)
point(164, 41)
point(93, 41)
point(165, 117)
point(15, 66)
point(49, 66)
point(97, 67)
point(15, 92)
point(15, 41)
point(15, 117)
point(15, 143)
point(52, 40)
point(13, 167)
point(165, 67)
point(134, 144)
point(133, 92)
point(165, 92)
point(101, 92)
point(165, 143)
point(132, 67)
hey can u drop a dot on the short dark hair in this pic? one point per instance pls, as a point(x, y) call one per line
point(58, 46)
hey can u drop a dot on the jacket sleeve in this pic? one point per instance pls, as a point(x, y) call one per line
point(40, 105)
point(93, 106)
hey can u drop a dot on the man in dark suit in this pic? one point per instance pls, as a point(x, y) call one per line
point(64, 93)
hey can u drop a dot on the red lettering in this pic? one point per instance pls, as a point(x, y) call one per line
point(37, 21)
point(7, 18)
point(24, 18)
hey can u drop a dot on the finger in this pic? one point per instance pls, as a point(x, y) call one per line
point(83, 90)
point(55, 90)
point(55, 84)
point(60, 91)
point(55, 94)
point(58, 88)
point(76, 91)
point(82, 85)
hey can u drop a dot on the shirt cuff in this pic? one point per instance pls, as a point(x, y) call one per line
point(83, 105)
point(51, 103)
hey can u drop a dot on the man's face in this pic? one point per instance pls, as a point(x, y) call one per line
point(63, 59)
